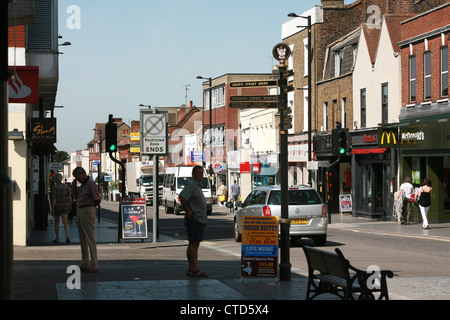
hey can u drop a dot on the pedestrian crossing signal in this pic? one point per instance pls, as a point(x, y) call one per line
point(111, 136)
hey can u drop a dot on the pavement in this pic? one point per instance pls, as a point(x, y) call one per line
point(141, 270)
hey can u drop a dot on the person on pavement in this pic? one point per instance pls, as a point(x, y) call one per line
point(61, 205)
point(88, 197)
point(195, 219)
point(407, 189)
point(425, 194)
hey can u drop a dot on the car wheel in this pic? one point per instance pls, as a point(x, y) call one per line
point(237, 234)
point(320, 240)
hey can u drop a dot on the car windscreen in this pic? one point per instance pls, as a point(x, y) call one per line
point(181, 182)
point(296, 197)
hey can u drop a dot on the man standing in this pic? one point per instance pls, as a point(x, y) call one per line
point(407, 190)
point(195, 219)
point(88, 198)
point(235, 192)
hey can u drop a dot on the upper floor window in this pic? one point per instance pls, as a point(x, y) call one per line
point(444, 71)
point(427, 75)
point(363, 107)
point(218, 97)
point(384, 103)
point(412, 78)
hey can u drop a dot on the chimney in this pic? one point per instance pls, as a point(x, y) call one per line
point(332, 3)
point(191, 105)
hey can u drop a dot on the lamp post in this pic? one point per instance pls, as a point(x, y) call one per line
point(308, 18)
point(210, 127)
point(99, 169)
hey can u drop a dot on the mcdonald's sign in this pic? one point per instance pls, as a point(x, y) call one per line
point(388, 138)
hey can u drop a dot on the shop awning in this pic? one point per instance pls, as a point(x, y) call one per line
point(368, 151)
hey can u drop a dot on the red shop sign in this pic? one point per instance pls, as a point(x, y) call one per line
point(24, 85)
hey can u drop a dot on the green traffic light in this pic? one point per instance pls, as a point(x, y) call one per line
point(112, 148)
point(341, 150)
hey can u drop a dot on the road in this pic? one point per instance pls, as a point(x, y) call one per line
point(409, 256)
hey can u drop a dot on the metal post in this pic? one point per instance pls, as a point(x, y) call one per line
point(309, 98)
point(155, 199)
point(285, 265)
point(6, 244)
point(100, 174)
point(210, 135)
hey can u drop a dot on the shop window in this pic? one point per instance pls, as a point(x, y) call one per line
point(446, 183)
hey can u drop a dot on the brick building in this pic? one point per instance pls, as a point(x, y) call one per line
point(226, 127)
point(424, 133)
point(335, 34)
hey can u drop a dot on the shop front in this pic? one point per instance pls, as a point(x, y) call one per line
point(424, 153)
point(374, 172)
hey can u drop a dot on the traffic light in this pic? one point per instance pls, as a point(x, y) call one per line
point(285, 118)
point(111, 136)
point(339, 141)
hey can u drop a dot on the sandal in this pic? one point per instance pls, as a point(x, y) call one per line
point(189, 272)
point(55, 241)
point(198, 274)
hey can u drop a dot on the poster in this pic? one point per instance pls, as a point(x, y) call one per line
point(134, 218)
point(259, 249)
point(345, 203)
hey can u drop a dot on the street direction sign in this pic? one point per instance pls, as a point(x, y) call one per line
point(154, 133)
point(246, 84)
point(253, 104)
point(271, 98)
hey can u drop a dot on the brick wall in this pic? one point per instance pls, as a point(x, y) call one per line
point(415, 27)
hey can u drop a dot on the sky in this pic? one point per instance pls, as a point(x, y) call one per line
point(127, 53)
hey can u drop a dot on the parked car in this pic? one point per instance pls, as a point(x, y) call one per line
point(307, 212)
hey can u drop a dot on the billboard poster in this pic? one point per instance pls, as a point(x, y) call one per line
point(134, 218)
point(259, 249)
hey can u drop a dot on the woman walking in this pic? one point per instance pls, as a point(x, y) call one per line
point(425, 194)
point(61, 205)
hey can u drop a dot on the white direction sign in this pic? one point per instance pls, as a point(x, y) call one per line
point(154, 135)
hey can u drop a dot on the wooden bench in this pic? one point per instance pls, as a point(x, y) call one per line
point(330, 272)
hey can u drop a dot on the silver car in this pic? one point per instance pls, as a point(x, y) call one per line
point(307, 212)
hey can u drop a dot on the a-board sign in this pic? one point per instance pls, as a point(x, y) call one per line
point(345, 203)
point(134, 218)
point(259, 248)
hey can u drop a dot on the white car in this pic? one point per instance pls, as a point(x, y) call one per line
point(307, 212)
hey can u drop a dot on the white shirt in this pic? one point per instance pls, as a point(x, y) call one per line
point(407, 189)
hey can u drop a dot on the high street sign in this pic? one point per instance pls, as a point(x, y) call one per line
point(253, 104)
point(271, 98)
point(246, 84)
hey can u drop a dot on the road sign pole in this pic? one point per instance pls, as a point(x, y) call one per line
point(281, 52)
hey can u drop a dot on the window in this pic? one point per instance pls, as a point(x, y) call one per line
point(444, 71)
point(427, 75)
point(412, 78)
point(344, 112)
point(337, 63)
point(363, 107)
point(384, 103)
point(325, 116)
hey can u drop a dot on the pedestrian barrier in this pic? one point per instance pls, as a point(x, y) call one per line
point(330, 272)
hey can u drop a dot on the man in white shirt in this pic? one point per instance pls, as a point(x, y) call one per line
point(407, 189)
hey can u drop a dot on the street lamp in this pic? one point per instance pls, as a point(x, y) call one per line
point(210, 125)
point(99, 168)
point(293, 15)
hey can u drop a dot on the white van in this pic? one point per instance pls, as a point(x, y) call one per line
point(175, 179)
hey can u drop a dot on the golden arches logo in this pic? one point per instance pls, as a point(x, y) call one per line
point(387, 135)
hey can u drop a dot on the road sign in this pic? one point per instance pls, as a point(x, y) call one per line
point(245, 84)
point(271, 98)
point(253, 104)
point(154, 133)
